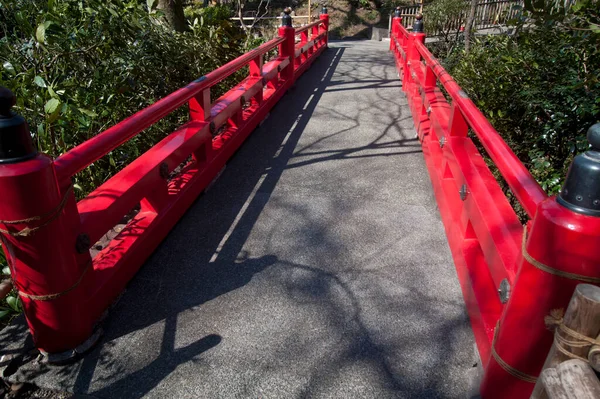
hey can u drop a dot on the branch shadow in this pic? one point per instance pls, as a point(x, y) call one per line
point(204, 258)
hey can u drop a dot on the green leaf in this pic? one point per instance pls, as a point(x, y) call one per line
point(151, 4)
point(39, 81)
point(41, 132)
point(51, 106)
point(4, 312)
point(88, 112)
point(40, 33)
point(9, 68)
point(6, 271)
point(13, 302)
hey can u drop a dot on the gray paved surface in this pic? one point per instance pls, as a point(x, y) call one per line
point(316, 266)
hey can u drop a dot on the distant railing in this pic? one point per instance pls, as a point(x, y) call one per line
point(489, 13)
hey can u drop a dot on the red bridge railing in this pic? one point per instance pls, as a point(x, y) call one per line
point(47, 235)
point(510, 281)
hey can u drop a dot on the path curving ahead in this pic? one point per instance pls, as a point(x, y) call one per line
point(315, 266)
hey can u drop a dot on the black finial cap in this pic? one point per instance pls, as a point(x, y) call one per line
point(15, 141)
point(324, 9)
point(397, 12)
point(581, 191)
point(418, 25)
point(286, 20)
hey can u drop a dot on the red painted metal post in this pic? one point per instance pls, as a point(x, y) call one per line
point(414, 57)
point(561, 252)
point(256, 66)
point(412, 53)
point(287, 48)
point(457, 123)
point(303, 40)
point(324, 29)
point(430, 78)
point(40, 237)
point(200, 106)
point(395, 31)
point(314, 33)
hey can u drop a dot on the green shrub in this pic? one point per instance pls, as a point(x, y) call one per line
point(11, 305)
point(540, 90)
point(78, 68)
point(539, 87)
point(208, 16)
point(440, 14)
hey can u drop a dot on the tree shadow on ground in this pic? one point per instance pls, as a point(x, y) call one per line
point(204, 258)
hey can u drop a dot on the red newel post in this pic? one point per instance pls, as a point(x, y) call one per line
point(561, 251)
point(396, 21)
point(324, 28)
point(288, 47)
point(412, 54)
point(416, 36)
point(41, 238)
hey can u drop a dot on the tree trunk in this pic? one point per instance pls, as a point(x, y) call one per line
point(173, 10)
point(469, 26)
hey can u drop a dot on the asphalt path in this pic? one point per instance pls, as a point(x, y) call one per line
point(316, 266)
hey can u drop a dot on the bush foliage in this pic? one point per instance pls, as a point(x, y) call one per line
point(78, 68)
point(539, 87)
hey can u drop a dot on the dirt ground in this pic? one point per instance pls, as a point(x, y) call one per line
point(28, 391)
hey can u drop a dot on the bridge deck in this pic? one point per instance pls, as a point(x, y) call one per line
point(315, 266)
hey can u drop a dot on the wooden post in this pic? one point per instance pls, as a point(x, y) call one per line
point(582, 316)
point(552, 387)
point(594, 356)
point(571, 379)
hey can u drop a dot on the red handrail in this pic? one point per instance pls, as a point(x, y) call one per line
point(80, 157)
point(403, 30)
point(162, 184)
point(521, 182)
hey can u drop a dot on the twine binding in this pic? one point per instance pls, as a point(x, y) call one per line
point(507, 367)
point(555, 321)
point(51, 216)
point(545, 268)
point(49, 297)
